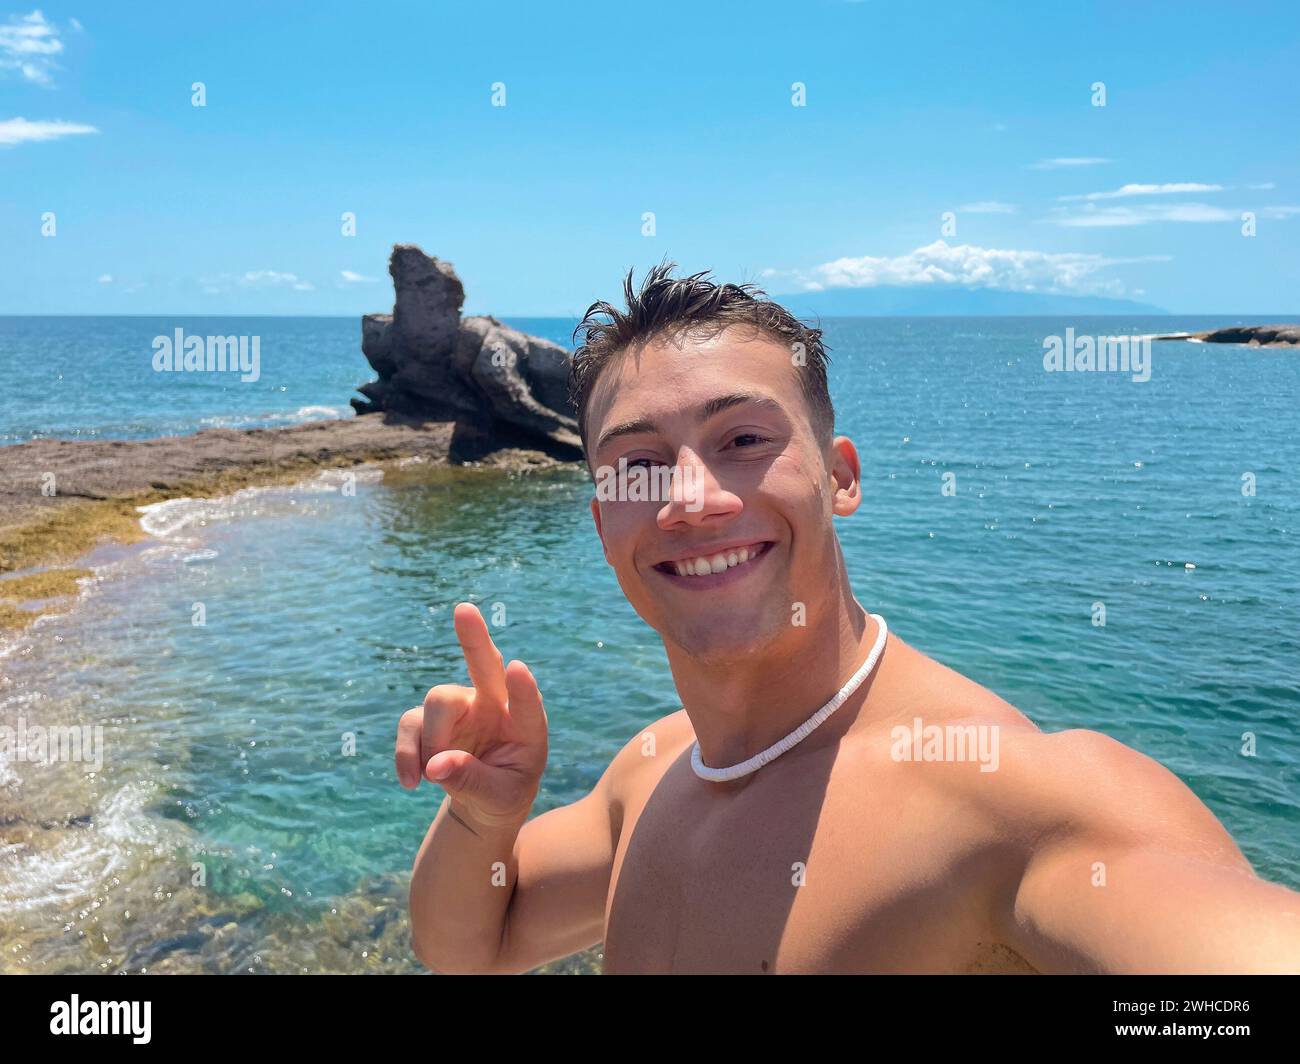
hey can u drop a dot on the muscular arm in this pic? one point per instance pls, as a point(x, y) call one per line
point(527, 895)
point(1131, 873)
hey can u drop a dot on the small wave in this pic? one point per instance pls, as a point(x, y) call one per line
point(304, 412)
point(167, 519)
point(82, 861)
point(284, 417)
point(205, 554)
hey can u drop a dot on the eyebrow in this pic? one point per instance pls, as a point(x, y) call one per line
point(707, 410)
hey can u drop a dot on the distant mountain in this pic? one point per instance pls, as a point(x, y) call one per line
point(907, 301)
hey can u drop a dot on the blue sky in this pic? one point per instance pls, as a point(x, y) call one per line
point(611, 111)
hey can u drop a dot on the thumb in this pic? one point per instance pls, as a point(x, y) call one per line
point(469, 780)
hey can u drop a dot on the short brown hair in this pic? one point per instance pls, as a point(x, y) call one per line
point(668, 306)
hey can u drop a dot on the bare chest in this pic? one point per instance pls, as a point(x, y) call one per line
point(853, 874)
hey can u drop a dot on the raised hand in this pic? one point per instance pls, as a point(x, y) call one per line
point(485, 745)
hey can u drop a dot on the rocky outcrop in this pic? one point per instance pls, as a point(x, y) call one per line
point(1251, 335)
point(493, 381)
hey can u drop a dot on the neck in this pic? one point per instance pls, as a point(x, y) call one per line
point(739, 708)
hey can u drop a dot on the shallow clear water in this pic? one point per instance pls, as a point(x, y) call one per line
point(328, 614)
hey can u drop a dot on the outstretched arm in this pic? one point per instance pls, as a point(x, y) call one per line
point(1138, 876)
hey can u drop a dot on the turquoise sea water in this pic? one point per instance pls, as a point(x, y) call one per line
point(328, 614)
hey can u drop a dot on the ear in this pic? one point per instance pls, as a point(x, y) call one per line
point(595, 516)
point(846, 476)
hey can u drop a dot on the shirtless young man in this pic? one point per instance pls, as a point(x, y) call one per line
point(1067, 852)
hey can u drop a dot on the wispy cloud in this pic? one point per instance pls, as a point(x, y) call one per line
point(1264, 185)
point(273, 279)
point(105, 278)
point(1170, 189)
point(255, 279)
point(1090, 215)
point(28, 44)
point(350, 277)
point(1065, 163)
point(988, 207)
point(20, 131)
point(968, 266)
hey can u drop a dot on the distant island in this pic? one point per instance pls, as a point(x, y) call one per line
point(1248, 335)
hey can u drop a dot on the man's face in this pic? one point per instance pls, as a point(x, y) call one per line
point(748, 551)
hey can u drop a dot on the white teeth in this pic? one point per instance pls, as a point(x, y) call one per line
point(716, 563)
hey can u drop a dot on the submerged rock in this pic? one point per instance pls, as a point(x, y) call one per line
point(495, 382)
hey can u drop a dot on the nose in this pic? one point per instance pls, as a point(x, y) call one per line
point(697, 497)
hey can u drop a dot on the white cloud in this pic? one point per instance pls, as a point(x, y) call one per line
point(1170, 189)
point(273, 279)
point(1090, 215)
point(1061, 164)
point(968, 266)
point(28, 45)
point(349, 277)
point(19, 130)
point(988, 207)
point(224, 283)
point(105, 278)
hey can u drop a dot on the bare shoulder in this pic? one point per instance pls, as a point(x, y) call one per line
point(1085, 783)
point(1038, 786)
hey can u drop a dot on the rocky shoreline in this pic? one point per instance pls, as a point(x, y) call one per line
point(450, 392)
point(95, 487)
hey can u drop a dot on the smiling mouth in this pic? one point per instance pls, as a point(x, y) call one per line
point(706, 565)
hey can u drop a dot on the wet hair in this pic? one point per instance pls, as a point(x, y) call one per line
point(668, 307)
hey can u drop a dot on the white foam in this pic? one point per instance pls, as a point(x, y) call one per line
point(167, 519)
point(83, 860)
point(303, 413)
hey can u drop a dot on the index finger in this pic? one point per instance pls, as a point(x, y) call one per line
point(487, 668)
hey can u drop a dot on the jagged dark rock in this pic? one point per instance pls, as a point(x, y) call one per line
point(490, 379)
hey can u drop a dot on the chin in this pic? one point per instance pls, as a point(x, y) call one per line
point(725, 639)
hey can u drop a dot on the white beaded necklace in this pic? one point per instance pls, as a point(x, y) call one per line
point(722, 775)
